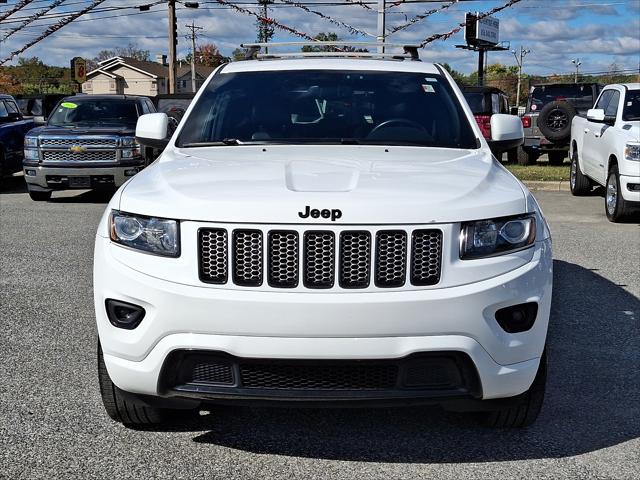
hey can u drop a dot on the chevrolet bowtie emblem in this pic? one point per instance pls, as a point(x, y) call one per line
point(78, 149)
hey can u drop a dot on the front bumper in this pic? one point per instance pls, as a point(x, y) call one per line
point(339, 326)
point(57, 177)
point(629, 188)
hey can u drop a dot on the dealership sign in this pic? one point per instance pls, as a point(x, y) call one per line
point(483, 31)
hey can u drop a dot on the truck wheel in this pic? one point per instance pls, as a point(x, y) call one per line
point(555, 119)
point(38, 196)
point(578, 182)
point(124, 408)
point(524, 409)
point(615, 206)
point(556, 158)
point(526, 157)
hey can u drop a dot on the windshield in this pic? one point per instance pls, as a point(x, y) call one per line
point(631, 111)
point(310, 106)
point(580, 96)
point(88, 111)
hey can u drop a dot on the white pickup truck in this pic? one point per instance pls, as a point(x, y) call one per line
point(605, 149)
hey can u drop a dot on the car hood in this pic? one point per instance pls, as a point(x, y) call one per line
point(368, 184)
point(120, 130)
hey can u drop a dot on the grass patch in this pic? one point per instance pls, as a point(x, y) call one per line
point(540, 172)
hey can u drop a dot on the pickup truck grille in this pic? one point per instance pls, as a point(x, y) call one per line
point(85, 142)
point(320, 259)
point(86, 156)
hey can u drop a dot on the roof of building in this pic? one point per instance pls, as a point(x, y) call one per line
point(203, 70)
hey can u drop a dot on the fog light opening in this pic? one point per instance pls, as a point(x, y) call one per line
point(517, 318)
point(124, 315)
point(30, 172)
point(130, 172)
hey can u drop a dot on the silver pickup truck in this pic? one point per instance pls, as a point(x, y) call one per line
point(88, 142)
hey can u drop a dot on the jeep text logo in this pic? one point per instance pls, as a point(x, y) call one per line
point(333, 214)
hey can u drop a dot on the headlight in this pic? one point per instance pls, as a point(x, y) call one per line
point(31, 155)
point(130, 153)
point(632, 151)
point(154, 235)
point(31, 142)
point(487, 238)
point(128, 142)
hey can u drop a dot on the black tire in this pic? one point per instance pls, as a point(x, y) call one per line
point(512, 155)
point(38, 196)
point(578, 182)
point(526, 157)
point(525, 408)
point(616, 207)
point(124, 408)
point(555, 119)
point(556, 157)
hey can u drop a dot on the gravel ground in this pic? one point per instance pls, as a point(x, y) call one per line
point(52, 424)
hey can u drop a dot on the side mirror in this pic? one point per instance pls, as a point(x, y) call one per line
point(596, 115)
point(152, 129)
point(506, 132)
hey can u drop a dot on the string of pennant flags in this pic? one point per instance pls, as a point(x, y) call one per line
point(420, 17)
point(353, 30)
point(32, 18)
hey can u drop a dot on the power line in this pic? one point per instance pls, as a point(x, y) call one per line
point(52, 29)
point(33, 18)
point(11, 11)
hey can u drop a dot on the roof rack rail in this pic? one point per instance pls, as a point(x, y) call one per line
point(409, 52)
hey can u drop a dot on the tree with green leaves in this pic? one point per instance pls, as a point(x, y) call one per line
point(329, 37)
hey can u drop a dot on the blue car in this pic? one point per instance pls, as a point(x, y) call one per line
point(13, 128)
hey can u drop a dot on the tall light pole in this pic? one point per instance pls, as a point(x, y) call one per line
point(173, 43)
point(577, 63)
point(520, 61)
point(194, 28)
point(381, 34)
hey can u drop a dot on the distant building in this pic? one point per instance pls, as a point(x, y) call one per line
point(124, 75)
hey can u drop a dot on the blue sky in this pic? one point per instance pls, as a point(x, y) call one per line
point(598, 32)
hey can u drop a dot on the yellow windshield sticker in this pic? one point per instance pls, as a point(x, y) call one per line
point(68, 105)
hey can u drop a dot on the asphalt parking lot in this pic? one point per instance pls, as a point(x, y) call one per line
point(52, 423)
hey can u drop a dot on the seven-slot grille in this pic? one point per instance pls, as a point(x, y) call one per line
point(318, 260)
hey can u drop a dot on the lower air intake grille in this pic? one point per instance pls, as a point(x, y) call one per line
point(212, 373)
point(391, 258)
point(319, 259)
point(317, 377)
point(247, 258)
point(426, 257)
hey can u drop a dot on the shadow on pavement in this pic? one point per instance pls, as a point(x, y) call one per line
point(593, 399)
point(13, 184)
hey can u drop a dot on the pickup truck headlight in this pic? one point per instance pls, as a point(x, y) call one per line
point(31, 155)
point(499, 236)
point(159, 236)
point(632, 151)
point(128, 142)
point(30, 142)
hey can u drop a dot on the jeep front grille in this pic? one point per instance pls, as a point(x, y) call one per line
point(320, 259)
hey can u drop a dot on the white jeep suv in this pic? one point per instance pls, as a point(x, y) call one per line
point(324, 230)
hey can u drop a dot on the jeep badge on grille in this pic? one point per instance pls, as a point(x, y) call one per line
point(334, 214)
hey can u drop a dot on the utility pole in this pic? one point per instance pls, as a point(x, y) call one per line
point(265, 14)
point(382, 6)
point(577, 63)
point(173, 43)
point(193, 35)
point(520, 61)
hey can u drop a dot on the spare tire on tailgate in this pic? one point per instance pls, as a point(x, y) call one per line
point(554, 121)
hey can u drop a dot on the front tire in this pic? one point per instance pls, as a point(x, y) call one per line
point(578, 182)
point(38, 196)
point(123, 408)
point(525, 408)
point(615, 206)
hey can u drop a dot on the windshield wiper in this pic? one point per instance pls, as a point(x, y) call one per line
point(224, 141)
